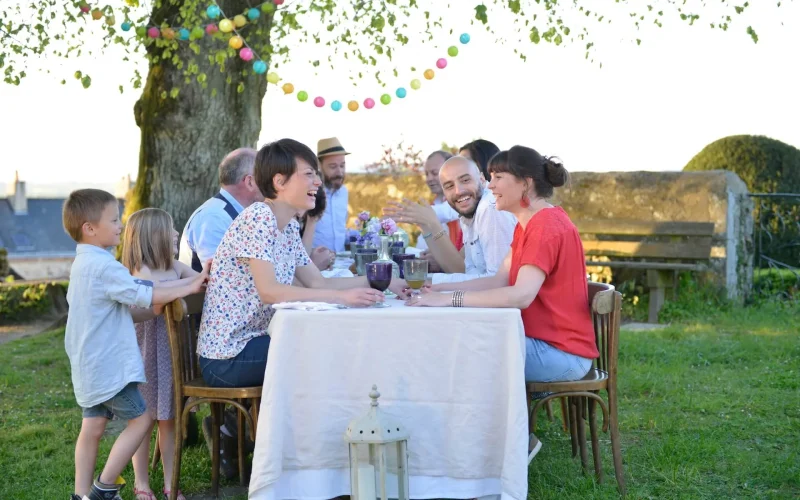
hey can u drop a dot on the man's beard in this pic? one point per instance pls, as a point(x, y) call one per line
point(468, 215)
point(329, 182)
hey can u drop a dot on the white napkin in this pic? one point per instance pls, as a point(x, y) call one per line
point(337, 272)
point(308, 306)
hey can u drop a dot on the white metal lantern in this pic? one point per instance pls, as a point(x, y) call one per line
point(378, 455)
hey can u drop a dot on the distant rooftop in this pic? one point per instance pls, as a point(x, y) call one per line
point(32, 226)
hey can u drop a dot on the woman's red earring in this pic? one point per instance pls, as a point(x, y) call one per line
point(524, 202)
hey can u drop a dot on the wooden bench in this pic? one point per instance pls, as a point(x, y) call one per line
point(661, 248)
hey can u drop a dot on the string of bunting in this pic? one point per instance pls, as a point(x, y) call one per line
point(246, 52)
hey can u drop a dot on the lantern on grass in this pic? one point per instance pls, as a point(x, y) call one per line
point(378, 455)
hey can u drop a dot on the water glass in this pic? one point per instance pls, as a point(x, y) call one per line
point(399, 258)
point(364, 257)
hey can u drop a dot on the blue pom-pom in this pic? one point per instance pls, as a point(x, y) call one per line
point(212, 11)
point(183, 34)
point(464, 38)
point(126, 26)
point(336, 105)
point(401, 92)
point(260, 67)
point(253, 14)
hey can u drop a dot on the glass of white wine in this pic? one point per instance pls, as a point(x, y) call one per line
point(415, 272)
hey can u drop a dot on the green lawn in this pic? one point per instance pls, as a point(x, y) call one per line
point(709, 408)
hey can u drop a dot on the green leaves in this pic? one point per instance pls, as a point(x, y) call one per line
point(369, 31)
point(480, 13)
point(752, 33)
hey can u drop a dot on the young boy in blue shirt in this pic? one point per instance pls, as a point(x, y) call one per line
point(100, 339)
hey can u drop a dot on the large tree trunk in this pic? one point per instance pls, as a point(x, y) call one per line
point(183, 139)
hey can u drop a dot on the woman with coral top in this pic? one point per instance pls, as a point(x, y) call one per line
point(544, 273)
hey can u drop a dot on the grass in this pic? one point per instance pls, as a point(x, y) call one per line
point(709, 408)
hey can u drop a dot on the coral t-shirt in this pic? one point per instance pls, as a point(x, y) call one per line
point(560, 313)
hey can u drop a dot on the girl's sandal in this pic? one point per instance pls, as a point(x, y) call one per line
point(144, 495)
point(179, 497)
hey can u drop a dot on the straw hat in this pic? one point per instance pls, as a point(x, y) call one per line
point(330, 146)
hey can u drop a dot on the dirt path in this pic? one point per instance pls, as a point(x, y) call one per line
point(14, 332)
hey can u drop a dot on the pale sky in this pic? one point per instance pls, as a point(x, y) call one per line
point(650, 107)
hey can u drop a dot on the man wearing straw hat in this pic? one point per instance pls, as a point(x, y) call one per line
point(331, 230)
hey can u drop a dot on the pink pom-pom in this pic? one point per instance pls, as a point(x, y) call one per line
point(369, 103)
point(441, 63)
point(319, 102)
point(211, 29)
point(153, 32)
point(246, 54)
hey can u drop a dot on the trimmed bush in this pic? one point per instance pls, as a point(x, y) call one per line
point(766, 165)
point(24, 301)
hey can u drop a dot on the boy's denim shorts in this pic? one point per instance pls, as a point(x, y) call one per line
point(126, 405)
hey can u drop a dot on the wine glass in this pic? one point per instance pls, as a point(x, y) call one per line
point(379, 276)
point(415, 272)
point(399, 258)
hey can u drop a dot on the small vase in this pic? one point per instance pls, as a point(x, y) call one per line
point(385, 255)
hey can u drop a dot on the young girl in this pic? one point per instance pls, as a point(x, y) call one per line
point(149, 248)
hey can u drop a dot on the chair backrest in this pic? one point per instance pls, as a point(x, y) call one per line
point(183, 323)
point(606, 304)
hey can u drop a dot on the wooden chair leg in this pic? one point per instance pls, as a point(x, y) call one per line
point(581, 424)
point(254, 413)
point(215, 425)
point(598, 465)
point(156, 452)
point(175, 480)
point(616, 451)
point(573, 426)
point(240, 437)
point(564, 414)
point(549, 407)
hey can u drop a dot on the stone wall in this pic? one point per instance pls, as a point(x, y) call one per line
point(719, 197)
point(33, 268)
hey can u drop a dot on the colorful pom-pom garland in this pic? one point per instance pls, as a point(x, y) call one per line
point(247, 54)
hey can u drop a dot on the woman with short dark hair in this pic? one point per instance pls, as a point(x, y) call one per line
point(254, 267)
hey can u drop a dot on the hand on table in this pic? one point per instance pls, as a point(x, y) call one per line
point(400, 288)
point(323, 258)
point(429, 298)
point(360, 297)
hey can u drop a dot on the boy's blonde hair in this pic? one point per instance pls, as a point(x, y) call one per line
point(82, 206)
point(148, 240)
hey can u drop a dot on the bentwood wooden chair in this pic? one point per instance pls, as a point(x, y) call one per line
point(191, 390)
point(582, 396)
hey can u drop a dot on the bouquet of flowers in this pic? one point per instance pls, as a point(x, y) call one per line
point(372, 228)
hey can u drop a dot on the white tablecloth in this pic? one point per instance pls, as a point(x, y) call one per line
point(455, 377)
